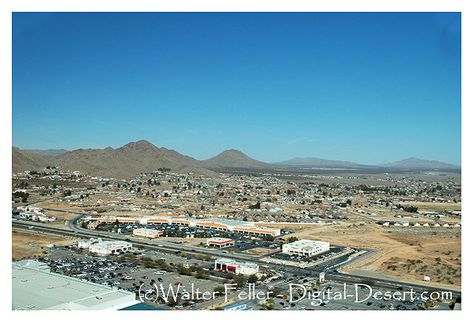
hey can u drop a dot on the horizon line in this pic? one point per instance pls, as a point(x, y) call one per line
point(239, 150)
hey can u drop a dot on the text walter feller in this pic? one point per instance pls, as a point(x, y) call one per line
point(358, 293)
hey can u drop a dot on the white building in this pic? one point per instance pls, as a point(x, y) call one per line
point(43, 218)
point(305, 248)
point(105, 248)
point(34, 287)
point(220, 242)
point(230, 265)
point(85, 244)
point(147, 233)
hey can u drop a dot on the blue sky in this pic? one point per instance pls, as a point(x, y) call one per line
point(365, 87)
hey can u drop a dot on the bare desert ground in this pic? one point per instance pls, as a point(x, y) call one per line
point(401, 253)
point(27, 245)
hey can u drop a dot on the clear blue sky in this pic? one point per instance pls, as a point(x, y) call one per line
point(369, 88)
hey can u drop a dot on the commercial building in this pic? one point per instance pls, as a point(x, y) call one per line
point(220, 242)
point(230, 265)
point(147, 233)
point(34, 287)
point(225, 225)
point(305, 248)
point(85, 244)
point(104, 248)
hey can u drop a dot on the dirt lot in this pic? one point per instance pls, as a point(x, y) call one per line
point(426, 206)
point(259, 251)
point(404, 253)
point(29, 244)
point(188, 241)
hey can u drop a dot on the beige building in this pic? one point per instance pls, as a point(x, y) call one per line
point(147, 233)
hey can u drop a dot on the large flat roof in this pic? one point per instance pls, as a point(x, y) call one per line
point(34, 287)
point(307, 243)
point(233, 262)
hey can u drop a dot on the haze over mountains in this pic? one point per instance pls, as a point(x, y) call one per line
point(415, 163)
point(48, 152)
point(319, 162)
point(142, 156)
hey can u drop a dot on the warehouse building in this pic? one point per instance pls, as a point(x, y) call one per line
point(305, 248)
point(34, 287)
point(147, 233)
point(237, 267)
point(86, 244)
point(105, 248)
point(219, 242)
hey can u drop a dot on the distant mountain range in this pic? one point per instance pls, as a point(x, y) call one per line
point(312, 162)
point(142, 156)
point(405, 164)
point(48, 152)
point(415, 163)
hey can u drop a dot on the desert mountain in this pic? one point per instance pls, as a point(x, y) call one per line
point(234, 159)
point(129, 160)
point(415, 163)
point(26, 160)
point(142, 156)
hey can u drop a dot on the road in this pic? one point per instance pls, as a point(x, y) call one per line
point(75, 230)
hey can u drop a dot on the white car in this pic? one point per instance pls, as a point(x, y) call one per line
point(159, 272)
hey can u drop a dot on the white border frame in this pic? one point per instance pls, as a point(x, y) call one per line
point(9, 6)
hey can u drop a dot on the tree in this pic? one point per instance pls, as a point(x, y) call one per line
point(256, 206)
point(24, 196)
point(148, 262)
point(269, 304)
point(200, 273)
point(292, 239)
point(220, 290)
point(269, 238)
point(240, 280)
point(252, 279)
point(183, 270)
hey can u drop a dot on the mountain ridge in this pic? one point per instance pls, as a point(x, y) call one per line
point(233, 158)
point(142, 156)
point(417, 163)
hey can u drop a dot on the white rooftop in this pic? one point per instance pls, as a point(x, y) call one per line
point(308, 244)
point(112, 243)
point(233, 262)
point(219, 239)
point(34, 287)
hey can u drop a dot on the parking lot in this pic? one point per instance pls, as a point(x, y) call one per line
point(242, 242)
point(327, 254)
point(122, 272)
point(333, 296)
